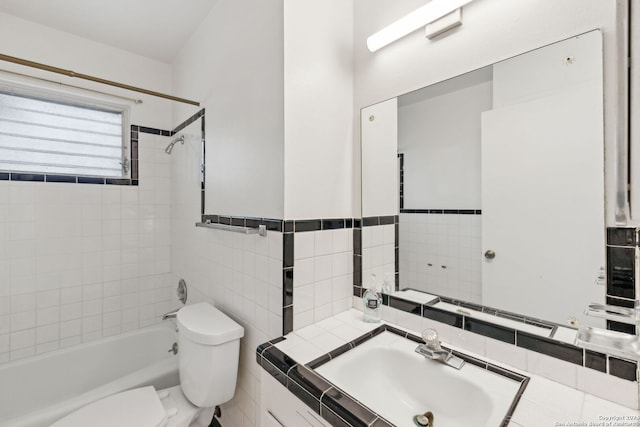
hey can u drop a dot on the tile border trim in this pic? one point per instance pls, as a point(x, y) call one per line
point(442, 211)
point(622, 368)
point(243, 221)
point(289, 228)
point(187, 122)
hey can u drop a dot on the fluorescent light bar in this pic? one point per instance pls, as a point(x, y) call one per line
point(420, 17)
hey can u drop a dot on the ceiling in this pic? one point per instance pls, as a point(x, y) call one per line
point(152, 28)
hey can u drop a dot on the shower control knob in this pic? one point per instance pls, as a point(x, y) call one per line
point(489, 254)
point(174, 348)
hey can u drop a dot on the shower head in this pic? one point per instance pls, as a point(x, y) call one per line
point(174, 142)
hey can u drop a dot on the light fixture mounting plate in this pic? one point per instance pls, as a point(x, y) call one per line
point(444, 24)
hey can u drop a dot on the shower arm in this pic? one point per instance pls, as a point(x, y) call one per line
point(174, 142)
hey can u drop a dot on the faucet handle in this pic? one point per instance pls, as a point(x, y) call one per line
point(430, 338)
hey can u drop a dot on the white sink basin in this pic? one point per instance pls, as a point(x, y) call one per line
point(386, 375)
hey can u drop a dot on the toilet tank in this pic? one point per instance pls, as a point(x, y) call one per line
point(209, 346)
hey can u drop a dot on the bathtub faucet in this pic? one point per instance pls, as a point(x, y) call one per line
point(170, 315)
point(431, 349)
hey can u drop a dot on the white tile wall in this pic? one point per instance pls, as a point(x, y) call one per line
point(378, 255)
point(451, 244)
point(242, 276)
point(80, 261)
point(322, 275)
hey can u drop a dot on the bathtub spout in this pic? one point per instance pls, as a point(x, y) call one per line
point(170, 315)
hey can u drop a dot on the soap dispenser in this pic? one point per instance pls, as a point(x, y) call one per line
point(372, 302)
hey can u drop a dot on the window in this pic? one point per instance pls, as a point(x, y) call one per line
point(50, 135)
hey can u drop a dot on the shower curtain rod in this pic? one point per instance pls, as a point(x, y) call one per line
point(70, 73)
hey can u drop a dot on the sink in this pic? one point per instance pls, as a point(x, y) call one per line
point(386, 375)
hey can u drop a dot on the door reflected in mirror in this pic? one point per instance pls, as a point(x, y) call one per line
point(497, 180)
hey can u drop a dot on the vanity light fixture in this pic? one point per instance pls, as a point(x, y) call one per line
point(420, 17)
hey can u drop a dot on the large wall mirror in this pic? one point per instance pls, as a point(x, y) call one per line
point(497, 178)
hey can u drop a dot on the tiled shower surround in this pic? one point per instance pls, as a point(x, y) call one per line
point(441, 253)
point(80, 261)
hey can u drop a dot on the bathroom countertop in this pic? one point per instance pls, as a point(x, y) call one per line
point(544, 402)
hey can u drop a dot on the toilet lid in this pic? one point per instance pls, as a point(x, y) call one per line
point(139, 407)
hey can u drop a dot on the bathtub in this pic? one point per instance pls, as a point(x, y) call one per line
point(37, 391)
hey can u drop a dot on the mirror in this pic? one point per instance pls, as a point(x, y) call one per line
point(496, 178)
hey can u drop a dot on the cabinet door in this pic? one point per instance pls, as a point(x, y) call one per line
point(270, 420)
point(280, 408)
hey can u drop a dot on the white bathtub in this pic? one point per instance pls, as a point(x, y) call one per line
point(37, 391)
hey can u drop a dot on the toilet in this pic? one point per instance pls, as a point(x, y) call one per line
point(208, 350)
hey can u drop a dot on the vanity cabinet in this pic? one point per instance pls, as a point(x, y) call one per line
point(280, 408)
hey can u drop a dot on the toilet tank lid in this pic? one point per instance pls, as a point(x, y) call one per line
point(205, 324)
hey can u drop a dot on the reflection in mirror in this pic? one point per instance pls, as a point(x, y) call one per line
point(497, 178)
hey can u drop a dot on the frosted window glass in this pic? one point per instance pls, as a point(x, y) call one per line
point(45, 136)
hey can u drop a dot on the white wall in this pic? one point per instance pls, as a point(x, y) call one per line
point(492, 30)
point(233, 64)
point(439, 134)
point(77, 261)
point(559, 105)
point(34, 42)
point(275, 78)
point(379, 128)
point(440, 139)
point(318, 75)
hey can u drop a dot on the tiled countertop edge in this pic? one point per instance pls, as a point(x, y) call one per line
point(336, 406)
point(330, 403)
point(607, 364)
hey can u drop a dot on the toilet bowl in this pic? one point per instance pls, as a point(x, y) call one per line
point(208, 343)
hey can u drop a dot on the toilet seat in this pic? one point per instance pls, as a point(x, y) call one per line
point(139, 407)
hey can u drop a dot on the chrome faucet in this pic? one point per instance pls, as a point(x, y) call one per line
point(170, 315)
point(431, 349)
